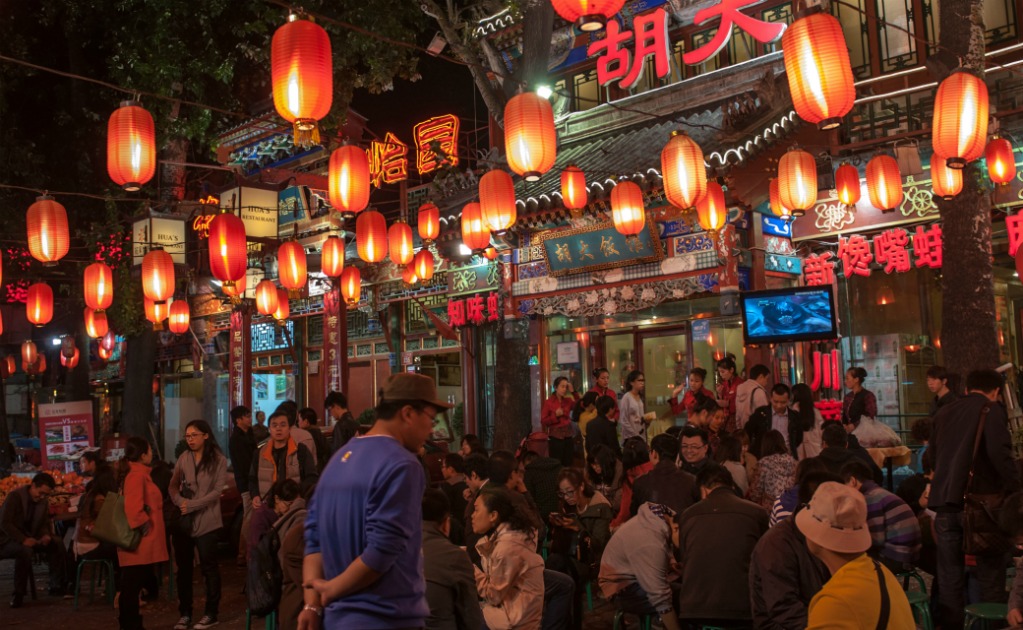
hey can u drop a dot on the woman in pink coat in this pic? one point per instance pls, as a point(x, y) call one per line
point(143, 506)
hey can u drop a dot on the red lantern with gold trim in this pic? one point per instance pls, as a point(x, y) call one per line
point(947, 182)
point(99, 286)
point(884, 182)
point(399, 238)
point(423, 263)
point(156, 312)
point(959, 126)
point(627, 209)
point(39, 304)
point(291, 266)
point(818, 69)
point(28, 353)
point(158, 275)
point(428, 222)
point(797, 181)
point(683, 171)
point(574, 193)
point(236, 290)
point(530, 139)
point(348, 180)
point(48, 238)
point(847, 184)
point(1001, 162)
point(711, 211)
point(587, 15)
point(332, 256)
point(475, 233)
point(266, 297)
point(70, 363)
point(229, 252)
point(178, 317)
point(351, 285)
point(371, 236)
point(497, 201)
point(283, 310)
point(131, 146)
point(301, 69)
point(774, 199)
point(95, 323)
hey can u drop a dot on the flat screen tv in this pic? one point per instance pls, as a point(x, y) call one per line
point(783, 315)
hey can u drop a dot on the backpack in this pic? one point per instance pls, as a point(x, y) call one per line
point(264, 579)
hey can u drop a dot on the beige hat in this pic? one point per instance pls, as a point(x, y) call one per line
point(412, 386)
point(836, 519)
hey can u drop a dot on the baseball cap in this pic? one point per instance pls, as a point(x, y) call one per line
point(412, 386)
point(836, 519)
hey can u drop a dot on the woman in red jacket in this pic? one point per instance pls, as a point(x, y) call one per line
point(556, 418)
point(602, 380)
point(143, 506)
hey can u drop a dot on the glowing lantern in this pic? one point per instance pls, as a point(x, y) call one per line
point(266, 297)
point(428, 222)
point(423, 263)
point(884, 182)
point(774, 198)
point(947, 182)
point(683, 171)
point(399, 238)
point(627, 208)
point(711, 211)
point(497, 201)
point(105, 353)
point(371, 236)
point(283, 310)
point(47, 230)
point(959, 127)
point(131, 146)
point(237, 289)
point(39, 304)
point(1001, 163)
point(291, 266)
point(475, 233)
point(348, 180)
point(530, 140)
point(797, 181)
point(109, 340)
point(178, 317)
point(847, 183)
point(229, 254)
point(69, 363)
point(588, 15)
point(351, 285)
point(156, 312)
point(332, 257)
point(490, 253)
point(158, 275)
point(302, 72)
point(1, 325)
point(37, 367)
point(28, 353)
point(573, 188)
point(8, 367)
point(95, 323)
point(408, 274)
point(818, 69)
point(99, 286)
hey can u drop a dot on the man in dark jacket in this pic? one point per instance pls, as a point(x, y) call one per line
point(242, 447)
point(716, 540)
point(665, 484)
point(307, 420)
point(345, 426)
point(956, 427)
point(841, 447)
point(25, 526)
point(450, 582)
point(783, 574)
point(776, 416)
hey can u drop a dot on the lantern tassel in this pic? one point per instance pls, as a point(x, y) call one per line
point(306, 132)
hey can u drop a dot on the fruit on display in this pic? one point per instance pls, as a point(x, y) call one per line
point(9, 484)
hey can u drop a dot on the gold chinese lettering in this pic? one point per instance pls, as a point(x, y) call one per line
point(562, 253)
point(584, 250)
point(607, 247)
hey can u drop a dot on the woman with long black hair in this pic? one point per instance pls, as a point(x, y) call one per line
point(199, 477)
point(555, 416)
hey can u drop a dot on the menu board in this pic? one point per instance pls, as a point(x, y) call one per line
point(65, 432)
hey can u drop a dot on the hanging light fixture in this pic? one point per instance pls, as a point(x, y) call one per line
point(229, 253)
point(109, 340)
point(587, 15)
point(301, 69)
point(9, 366)
point(408, 274)
point(399, 243)
point(947, 182)
point(39, 304)
point(530, 139)
point(797, 181)
point(959, 126)
point(627, 209)
point(371, 236)
point(332, 256)
point(819, 73)
point(95, 323)
point(351, 285)
point(266, 297)
point(683, 171)
point(885, 295)
point(348, 180)
point(71, 363)
point(47, 230)
point(423, 263)
point(1001, 162)
point(236, 290)
point(28, 353)
point(156, 312)
point(884, 182)
point(291, 266)
point(774, 200)
point(475, 233)
point(497, 201)
point(428, 223)
point(490, 253)
point(158, 275)
point(131, 146)
point(573, 188)
point(711, 211)
point(105, 353)
point(847, 184)
point(99, 286)
point(283, 310)
point(38, 366)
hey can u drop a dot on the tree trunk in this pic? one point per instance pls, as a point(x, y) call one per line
point(968, 338)
point(138, 384)
point(537, 28)
point(512, 411)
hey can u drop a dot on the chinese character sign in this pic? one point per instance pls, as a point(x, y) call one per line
point(477, 310)
point(819, 269)
point(889, 249)
point(388, 161)
point(1013, 224)
point(927, 246)
point(436, 143)
point(728, 10)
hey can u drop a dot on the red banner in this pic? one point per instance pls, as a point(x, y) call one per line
point(240, 359)
point(335, 342)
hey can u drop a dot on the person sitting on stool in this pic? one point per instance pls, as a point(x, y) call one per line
point(25, 526)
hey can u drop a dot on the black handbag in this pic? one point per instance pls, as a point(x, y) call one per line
point(981, 532)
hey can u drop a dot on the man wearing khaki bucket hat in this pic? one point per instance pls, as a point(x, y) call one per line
point(861, 593)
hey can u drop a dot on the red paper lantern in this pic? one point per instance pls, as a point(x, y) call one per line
point(291, 265)
point(229, 251)
point(847, 183)
point(371, 236)
point(408, 274)
point(947, 182)
point(48, 238)
point(37, 367)
point(497, 201)
point(283, 310)
point(178, 317)
point(490, 253)
point(131, 146)
point(530, 139)
point(573, 188)
point(332, 257)
point(1, 324)
point(302, 72)
point(95, 323)
point(156, 312)
point(627, 209)
point(266, 297)
point(884, 183)
point(28, 353)
point(683, 172)
point(428, 222)
point(774, 198)
point(69, 363)
point(818, 69)
point(475, 233)
point(348, 180)
point(351, 285)
point(109, 340)
point(8, 367)
point(711, 211)
point(797, 181)
point(105, 353)
point(158, 275)
point(1001, 162)
point(588, 15)
point(39, 304)
point(237, 290)
point(400, 244)
point(959, 126)
point(423, 263)
point(99, 286)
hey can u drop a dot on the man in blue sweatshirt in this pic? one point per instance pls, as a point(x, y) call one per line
point(363, 530)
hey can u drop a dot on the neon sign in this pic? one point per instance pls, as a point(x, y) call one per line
point(201, 223)
point(442, 130)
point(388, 162)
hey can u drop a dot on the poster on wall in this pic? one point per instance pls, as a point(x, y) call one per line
point(65, 431)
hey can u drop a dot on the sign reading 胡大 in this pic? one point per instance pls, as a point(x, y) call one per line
point(596, 248)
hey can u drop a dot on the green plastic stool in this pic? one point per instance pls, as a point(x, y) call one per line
point(920, 604)
point(906, 576)
point(984, 612)
point(269, 622)
point(645, 621)
point(589, 596)
point(100, 568)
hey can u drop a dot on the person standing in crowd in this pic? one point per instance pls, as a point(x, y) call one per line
point(993, 470)
point(778, 417)
point(861, 593)
point(260, 432)
point(452, 468)
point(200, 475)
point(290, 409)
point(290, 525)
point(307, 420)
point(632, 418)
point(603, 430)
point(751, 395)
point(602, 385)
point(585, 410)
point(727, 389)
point(471, 444)
point(556, 418)
point(242, 448)
point(280, 458)
point(345, 426)
point(665, 484)
point(776, 471)
point(729, 456)
point(894, 529)
point(858, 402)
point(363, 530)
point(809, 420)
point(143, 509)
point(450, 580)
point(697, 377)
point(635, 463)
point(26, 527)
point(941, 384)
point(694, 449)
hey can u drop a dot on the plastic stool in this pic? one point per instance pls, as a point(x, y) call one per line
point(906, 576)
point(920, 604)
point(984, 612)
point(645, 621)
point(269, 622)
point(589, 596)
point(99, 568)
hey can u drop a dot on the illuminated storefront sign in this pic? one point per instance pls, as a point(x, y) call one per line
point(890, 249)
point(477, 309)
point(388, 160)
point(442, 130)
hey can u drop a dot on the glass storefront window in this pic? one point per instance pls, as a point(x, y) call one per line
point(665, 363)
point(620, 360)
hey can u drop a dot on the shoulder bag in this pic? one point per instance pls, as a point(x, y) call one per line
point(177, 523)
point(981, 533)
point(112, 527)
point(886, 603)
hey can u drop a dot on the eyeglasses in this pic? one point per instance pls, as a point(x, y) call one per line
point(564, 495)
point(692, 447)
point(194, 436)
